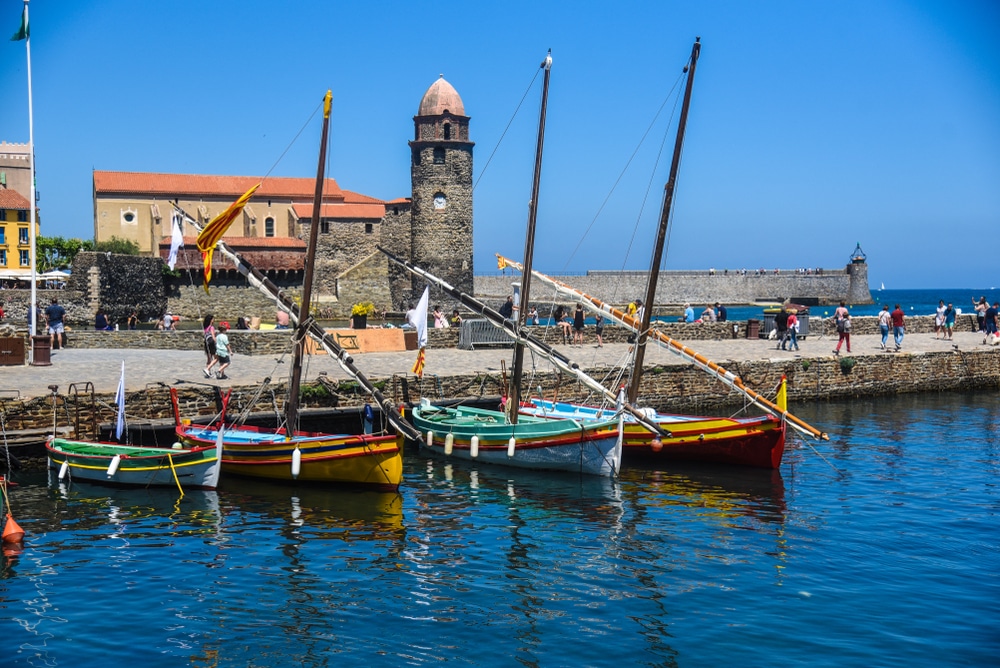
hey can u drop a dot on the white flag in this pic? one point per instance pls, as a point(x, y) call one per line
point(420, 315)
point(176, 240)
point(120, 400)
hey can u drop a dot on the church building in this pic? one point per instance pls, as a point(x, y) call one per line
point(432, 228)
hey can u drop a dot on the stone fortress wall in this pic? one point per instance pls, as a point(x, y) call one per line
point(699, 287)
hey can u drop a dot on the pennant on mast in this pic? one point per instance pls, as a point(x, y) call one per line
point(23, 32)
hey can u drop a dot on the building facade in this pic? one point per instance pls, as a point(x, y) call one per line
point(15, 235)
point(433, 229)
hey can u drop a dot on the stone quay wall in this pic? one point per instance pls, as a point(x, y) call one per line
point(674, 387)
point(696, 287)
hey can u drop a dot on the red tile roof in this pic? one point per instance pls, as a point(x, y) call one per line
point(197, 185)
point(11, 199)
point(352, 211)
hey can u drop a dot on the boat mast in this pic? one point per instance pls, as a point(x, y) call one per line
point(529, 247)
point(302, 327)
point(661, 234)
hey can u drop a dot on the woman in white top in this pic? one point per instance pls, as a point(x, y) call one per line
point(939, 319)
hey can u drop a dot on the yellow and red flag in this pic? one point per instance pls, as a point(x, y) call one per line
point(418, 366)
point(501, 262)
point(215, 229)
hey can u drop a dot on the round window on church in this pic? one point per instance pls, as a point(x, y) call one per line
point(439, 201)
point(129, 217)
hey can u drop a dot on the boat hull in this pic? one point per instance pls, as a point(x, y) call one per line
point(368, 461)
point(539, 444)
point(757, 441)
point(137, 466)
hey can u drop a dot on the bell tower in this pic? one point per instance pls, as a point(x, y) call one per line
point(441, 179)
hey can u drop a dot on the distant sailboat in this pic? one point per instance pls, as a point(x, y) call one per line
point(882, 288)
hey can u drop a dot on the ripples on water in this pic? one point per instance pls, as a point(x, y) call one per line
point(883, 553)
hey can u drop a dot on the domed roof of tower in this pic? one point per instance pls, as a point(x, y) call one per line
point(439, 98)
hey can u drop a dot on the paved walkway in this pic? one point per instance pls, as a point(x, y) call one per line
point(145, 368)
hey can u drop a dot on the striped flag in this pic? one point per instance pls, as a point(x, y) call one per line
point(120, 400)
point(215, 229)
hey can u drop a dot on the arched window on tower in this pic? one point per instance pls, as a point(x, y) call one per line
point(447, 130)
point(438, 156)
point(269, 227)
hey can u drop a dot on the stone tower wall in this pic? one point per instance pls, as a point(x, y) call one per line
point(441, 238)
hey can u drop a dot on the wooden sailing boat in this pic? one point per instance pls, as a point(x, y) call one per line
point(287, 454)
point(756, 441)
point(507, 438)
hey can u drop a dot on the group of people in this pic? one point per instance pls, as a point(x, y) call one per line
point(987, 317)
point(944, 321)
point(217, 351)
point(712, 313)
point(786, 324)
point(571, 325)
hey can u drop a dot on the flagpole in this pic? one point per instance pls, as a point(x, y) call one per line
point(31, 204)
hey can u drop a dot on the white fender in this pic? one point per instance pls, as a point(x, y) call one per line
point(64, 469)
point(296, 462)
point(510, 447)
point(113, 466)
point(449, 443)
point(430, 438)
point(474, 447)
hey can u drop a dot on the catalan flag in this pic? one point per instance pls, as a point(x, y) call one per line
point(501, 262)
point(418, 366)
point(215, 229)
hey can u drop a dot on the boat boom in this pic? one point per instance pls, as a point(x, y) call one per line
point(678, 348)
point(346, 362)
point(510, 328)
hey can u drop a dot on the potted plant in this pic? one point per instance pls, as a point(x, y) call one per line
point(360, 313)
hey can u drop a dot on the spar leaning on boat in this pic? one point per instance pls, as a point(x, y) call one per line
point(286, 453)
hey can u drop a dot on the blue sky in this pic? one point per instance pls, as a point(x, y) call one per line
point(814, 125)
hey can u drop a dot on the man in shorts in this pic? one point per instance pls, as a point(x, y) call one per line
point(55, 314)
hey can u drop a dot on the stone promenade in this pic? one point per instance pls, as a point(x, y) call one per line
point(150, 368)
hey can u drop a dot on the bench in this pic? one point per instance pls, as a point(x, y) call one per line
point(479, 332)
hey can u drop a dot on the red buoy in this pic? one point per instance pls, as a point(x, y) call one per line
point(12, 533)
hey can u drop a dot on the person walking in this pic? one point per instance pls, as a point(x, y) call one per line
point(990, 319)
point(599, 329)
point(949, 322)
point(884, 321)
point(222, 350)
point(55, 314)
point(843, 318)
point(793, 331)
point(781, 327)
point(981, 307)
point(898, 329)
point(210, 345)
point(939, 319)
point(578, 321)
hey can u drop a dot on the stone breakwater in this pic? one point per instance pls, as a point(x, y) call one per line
point(698, 287)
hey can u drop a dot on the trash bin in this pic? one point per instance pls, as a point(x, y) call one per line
point(11, 351)
point(803, 324)
point(41, 350)
point(753, 329)
point(769, 325)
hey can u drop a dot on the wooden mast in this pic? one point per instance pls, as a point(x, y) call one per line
point(529, 248)
point(304, 320)
point(661, 234)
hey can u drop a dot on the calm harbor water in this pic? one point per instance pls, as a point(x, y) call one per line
point(882, 552)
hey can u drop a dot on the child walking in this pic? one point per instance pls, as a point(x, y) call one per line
point(222, 350)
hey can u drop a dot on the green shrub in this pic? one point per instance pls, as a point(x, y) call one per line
point(846, 364)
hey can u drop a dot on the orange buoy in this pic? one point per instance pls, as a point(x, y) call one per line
point(12, 533)
point(656, 444)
